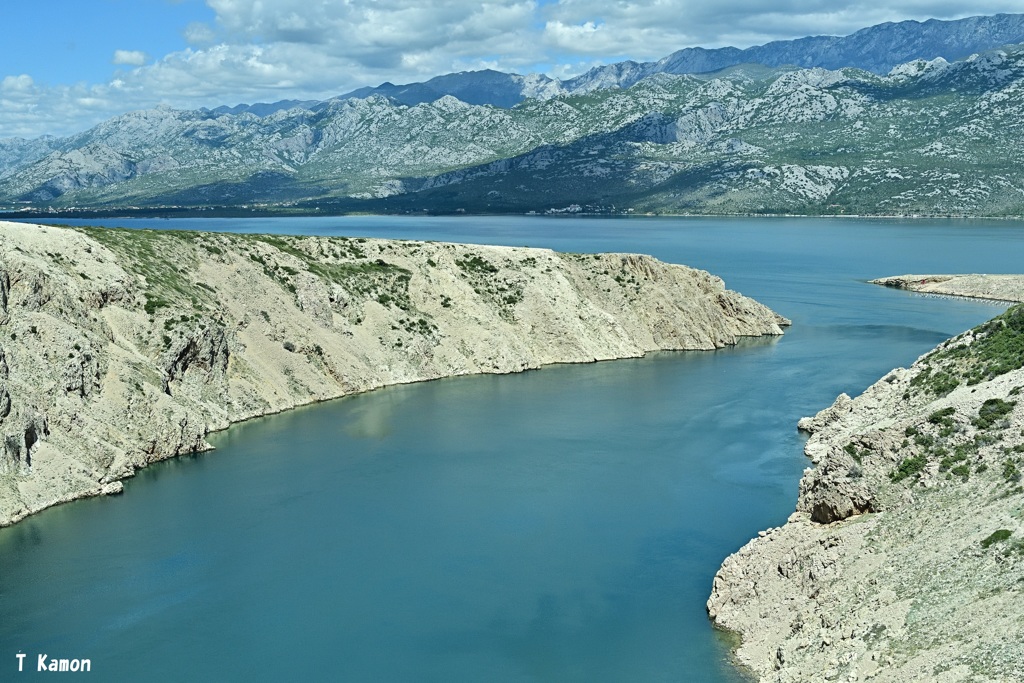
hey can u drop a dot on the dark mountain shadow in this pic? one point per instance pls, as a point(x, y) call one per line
point(262, 187)
point(549, 177)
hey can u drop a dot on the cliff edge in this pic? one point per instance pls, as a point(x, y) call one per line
point(119, 348)
point(905, 558)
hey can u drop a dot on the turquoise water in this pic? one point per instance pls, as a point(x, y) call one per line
point(557, 525)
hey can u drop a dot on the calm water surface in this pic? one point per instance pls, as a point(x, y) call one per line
point(558, 525)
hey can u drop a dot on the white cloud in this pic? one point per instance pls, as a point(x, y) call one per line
point(20, 83)
point(264, 50)
point(200, 34)
point(652, 29)
point(129, 57)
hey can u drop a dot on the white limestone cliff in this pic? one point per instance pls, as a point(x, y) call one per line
point(119, 348)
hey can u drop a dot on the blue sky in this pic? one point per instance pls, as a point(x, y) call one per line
point(69, 64)
point(68, 41)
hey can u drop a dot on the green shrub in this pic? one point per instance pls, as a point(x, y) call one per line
point(909, 467)
point(155, 303)
point(996, 537)
point(939, 383)
point(941, 416)
point(925, 440)
point(858, 454)
point(1010, 472)
point(963, 471)
point(991, 411)
point(476, 264)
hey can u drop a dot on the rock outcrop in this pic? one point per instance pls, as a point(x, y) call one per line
point(905, 558)
point(119, 348)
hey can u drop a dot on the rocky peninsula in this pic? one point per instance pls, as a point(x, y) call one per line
point(975, 286)
point(119, 348)
point(904, 560)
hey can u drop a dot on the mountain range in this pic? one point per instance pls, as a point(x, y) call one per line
point(877, 49)
point(815, 125)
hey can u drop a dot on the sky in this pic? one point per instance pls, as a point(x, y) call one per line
point(66, 65)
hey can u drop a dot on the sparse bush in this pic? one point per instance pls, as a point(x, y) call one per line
point(924, 440)
point(1010, 472)
point(476, 264)
point(858, 454)
point(996, 537)
point(991, 411)
point(909, 467)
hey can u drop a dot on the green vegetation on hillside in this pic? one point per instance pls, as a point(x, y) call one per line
point(990, 350)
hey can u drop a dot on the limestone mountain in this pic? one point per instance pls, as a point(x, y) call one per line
point(928, 137)
point(876, 48)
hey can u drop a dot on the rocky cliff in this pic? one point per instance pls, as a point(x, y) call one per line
point(905, 558)
point(122, 347)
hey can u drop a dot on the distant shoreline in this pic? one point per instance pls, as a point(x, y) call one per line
point(237, 212)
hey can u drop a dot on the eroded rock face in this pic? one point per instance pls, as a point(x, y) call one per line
point(120, 348)
point(835, 499)
point(202, 348)
point(20, 437)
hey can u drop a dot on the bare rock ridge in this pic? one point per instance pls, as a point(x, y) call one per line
point(119, 348)
point(904, 560)
point(976, 286)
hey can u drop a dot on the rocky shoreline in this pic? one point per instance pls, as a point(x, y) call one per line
point(904, 560)
point(119, 348)
point(974, 286)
